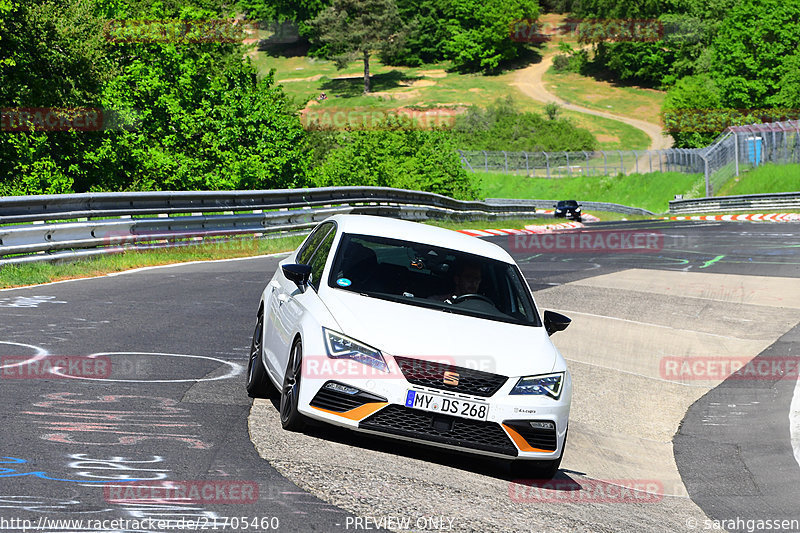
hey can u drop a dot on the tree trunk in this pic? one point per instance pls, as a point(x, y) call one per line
point(366, 72)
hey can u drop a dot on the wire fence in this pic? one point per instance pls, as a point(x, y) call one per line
point(741, 148)
point(552, 165)
point(737, 149)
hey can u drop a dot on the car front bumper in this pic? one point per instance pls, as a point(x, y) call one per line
point(379, 408)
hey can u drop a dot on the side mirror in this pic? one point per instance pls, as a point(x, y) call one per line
point(555, 322)
point(298, 274)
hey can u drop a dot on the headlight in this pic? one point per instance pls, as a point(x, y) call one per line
point(341, 346)
point(558, 210)
point(578, 209)
point(545, 385)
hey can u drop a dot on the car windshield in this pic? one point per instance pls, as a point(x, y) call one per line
point(432, 277)
point(568, 203)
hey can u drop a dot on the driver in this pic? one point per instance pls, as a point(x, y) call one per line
point(467, 277)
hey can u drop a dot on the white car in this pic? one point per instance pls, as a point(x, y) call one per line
point(413, 332)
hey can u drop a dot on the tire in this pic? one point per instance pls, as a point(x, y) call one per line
point(258, 382)
point(291, 419)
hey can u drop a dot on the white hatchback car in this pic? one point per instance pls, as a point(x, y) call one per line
point(413, 332)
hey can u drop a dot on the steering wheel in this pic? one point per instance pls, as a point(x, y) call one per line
point(459, 299)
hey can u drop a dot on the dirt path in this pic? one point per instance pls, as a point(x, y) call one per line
point(529, 81)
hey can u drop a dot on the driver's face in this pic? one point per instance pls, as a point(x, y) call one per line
point(467, 279)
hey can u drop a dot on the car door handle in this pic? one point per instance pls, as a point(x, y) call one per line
point(275, 284)
point(283, 297)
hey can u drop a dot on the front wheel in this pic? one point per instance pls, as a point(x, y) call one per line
point(258, 383)
point(291, 419)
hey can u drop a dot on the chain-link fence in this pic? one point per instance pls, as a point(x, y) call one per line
point(742, 148)
point(573, 164)
point(738, 148)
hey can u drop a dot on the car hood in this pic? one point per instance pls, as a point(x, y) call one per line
point(405, 330)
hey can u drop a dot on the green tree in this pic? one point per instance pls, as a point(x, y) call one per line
point(473, 34)
point(353, 28)
point(688, 108)
point(751, 49)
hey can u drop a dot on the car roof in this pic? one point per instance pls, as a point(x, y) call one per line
point(422, 233)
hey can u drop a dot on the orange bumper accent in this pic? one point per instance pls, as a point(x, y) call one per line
point(521, 443)
point(359, 413)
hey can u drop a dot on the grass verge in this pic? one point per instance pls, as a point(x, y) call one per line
point(36, 273)
point(651, 191)
point(764, 179)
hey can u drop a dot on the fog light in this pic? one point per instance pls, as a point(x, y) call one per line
point(542, 425)
point(338, 387)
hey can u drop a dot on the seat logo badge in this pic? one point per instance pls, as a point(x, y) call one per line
point(451, 378)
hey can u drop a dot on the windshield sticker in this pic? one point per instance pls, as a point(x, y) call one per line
point(343, 282)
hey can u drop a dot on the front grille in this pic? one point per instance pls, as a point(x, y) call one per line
point(432, 374)
point(474, 434)
point(340, 402)
point(544, 439)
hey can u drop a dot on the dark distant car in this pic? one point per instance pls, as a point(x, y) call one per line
point(568, 209)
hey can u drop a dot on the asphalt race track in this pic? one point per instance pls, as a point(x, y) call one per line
point(153, 391)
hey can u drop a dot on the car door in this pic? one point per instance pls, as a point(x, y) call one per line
point(289, 302)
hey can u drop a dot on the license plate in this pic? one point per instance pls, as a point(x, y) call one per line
point(445, 405)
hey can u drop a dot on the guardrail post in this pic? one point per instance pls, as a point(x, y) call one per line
point(527, 170)
point(636, 161)
point(708, 177)
point(736, 151)
point(569, 170)
point(621, 164)
point(505, 154)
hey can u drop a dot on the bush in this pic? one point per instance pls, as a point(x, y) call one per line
point(391, 157)
point(503, 127)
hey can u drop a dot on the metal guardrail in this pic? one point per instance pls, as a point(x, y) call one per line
point(62, 227)
point(597, 206)
point(747, 202)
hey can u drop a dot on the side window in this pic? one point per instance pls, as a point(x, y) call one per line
point(312, 243)
point(319, 258)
